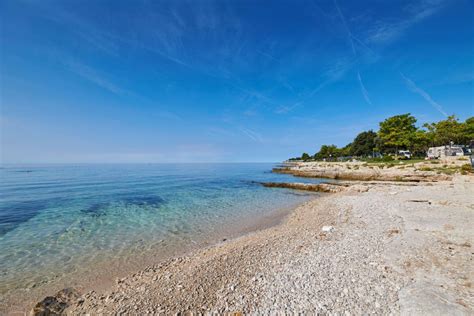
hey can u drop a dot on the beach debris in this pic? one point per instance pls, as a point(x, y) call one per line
point(327, 229)
point(393, 231)
point(420, 201)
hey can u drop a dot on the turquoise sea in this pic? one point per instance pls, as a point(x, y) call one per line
point(58, 219)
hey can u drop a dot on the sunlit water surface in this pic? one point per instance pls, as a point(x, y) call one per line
point(57, 218)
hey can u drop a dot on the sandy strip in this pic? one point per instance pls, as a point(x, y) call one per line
point(394, 249)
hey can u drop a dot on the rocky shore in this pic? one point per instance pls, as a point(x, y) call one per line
point(401, 171)
point(383, 248)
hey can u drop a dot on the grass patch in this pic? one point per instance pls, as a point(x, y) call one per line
point(449, 170)
point(375, 162)
point(426, 169)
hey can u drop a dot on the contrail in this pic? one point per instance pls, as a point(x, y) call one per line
point(413, 87)
point(363, 89)
point(349, 33)
point(351, 38)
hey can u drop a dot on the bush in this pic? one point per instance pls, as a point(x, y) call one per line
point(466, 168)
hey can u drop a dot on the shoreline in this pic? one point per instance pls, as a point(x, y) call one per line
point(395, 171)
point(377, 255)
point(102, 275)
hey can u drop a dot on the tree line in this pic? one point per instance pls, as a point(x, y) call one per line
point(401, 133)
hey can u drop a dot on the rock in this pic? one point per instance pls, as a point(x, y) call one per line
point(49, 305)
point(321, 187)
point(55, 305)
point(118, 281)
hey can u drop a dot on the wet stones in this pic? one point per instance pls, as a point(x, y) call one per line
point(55, 305)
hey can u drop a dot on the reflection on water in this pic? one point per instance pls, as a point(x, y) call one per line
point(57, 218)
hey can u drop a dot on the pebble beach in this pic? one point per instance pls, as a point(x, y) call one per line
point(374, 247)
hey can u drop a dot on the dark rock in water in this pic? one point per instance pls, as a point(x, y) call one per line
point(100, 208)
point(96, 209)
point(55, 305)
point(13, 214)
point(149, 200)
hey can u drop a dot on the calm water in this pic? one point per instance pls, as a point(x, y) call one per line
point(54, 219)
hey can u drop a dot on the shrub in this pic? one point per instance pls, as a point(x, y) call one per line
point(466, 168)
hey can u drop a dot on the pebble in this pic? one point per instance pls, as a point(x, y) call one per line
point(327, 229)
point(270, 273)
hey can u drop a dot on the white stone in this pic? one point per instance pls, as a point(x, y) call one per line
point(327, 229)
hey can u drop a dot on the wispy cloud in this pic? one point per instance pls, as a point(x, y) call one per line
point(413, 87)
point(94, 76)
point(351, 39)
point(344, 22)
point(267, 55)
point(364, 90)
point(164, 33)
point(333, 73)
point(385, 31)
point(220, 132)
point(256, 137)
point(457, 79)
point(101, 80)
point(284, 109)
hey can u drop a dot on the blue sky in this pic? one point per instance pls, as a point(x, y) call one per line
point(223, 81)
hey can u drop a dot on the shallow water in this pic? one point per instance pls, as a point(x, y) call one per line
point(57, 218)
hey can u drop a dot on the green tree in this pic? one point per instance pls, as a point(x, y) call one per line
point(448, 130)
point(468, 130)
point(364, 144)
point(328, 152)
point(305, 156)
point(420, 143)
point(400, 132)
point(346, 150)
point(397, 132)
